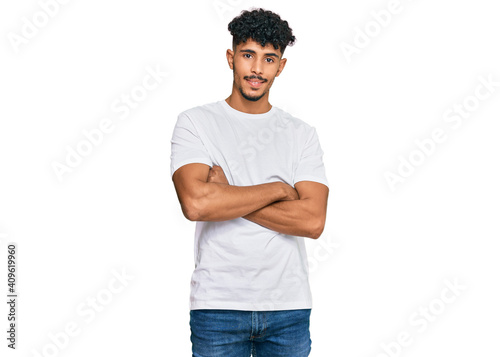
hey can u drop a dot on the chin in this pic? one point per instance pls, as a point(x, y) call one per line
point(253, 98)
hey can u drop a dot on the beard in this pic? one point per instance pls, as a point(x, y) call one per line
point(252, 99)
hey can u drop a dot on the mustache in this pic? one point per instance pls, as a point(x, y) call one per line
point(256, 77)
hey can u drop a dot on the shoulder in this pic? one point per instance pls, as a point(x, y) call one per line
point(297, 124)
point(201, 111)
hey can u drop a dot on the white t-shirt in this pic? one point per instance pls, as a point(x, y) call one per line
point(241, 265)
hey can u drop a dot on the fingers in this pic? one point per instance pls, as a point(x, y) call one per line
point(214, 174)
point(216, 168)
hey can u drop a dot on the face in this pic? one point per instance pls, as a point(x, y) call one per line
point(254, 68)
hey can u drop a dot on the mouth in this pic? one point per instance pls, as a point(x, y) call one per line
point(254, 83)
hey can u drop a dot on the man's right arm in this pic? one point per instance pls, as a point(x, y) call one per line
point(209, 201)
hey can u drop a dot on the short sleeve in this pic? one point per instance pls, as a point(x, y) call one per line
point(310, 166)
point(186, 145)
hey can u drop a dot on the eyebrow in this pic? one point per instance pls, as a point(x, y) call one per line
point(266, 54)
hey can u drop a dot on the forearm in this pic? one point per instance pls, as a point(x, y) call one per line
point(220, 202)
point(297, 217)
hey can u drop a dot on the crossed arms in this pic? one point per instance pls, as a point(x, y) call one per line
point(205, 195)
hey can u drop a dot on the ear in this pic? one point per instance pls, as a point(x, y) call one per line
point(230, 58)
point(282, 65)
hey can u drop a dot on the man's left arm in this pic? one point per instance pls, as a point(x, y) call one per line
point(304, 217)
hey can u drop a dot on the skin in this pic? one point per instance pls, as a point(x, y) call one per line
point(204, 192)
point(304, 216)
point(252, 61)
point(202, 200)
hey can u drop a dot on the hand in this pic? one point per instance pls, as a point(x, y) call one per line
point(290, 192)
point(216, 175)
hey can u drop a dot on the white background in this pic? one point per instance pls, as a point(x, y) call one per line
point(384, 255)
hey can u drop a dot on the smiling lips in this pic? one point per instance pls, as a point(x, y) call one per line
point(255, 83)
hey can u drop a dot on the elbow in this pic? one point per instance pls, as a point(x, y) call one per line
point(198, 206)
point(316, 228)
point(315, 234)
point(193, 210)
point(191, 215)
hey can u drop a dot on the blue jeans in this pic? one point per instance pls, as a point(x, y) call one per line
point(236, 333)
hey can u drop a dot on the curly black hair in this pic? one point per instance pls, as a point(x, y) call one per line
point(263, 26)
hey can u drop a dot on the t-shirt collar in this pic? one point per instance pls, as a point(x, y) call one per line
point(240, 114)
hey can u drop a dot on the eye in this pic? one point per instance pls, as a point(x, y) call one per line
point(271, 60)
point(246, 54)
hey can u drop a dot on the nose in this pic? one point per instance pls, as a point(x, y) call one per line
point(257, 67)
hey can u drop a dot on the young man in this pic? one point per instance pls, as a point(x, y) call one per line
point(252, 177)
